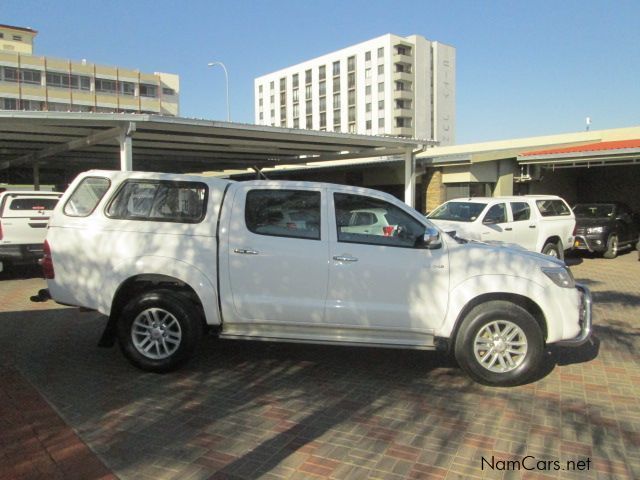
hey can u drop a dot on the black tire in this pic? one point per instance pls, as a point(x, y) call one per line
point(554, 250)
point(166, 334)
point(474, 342)
point(612, 247)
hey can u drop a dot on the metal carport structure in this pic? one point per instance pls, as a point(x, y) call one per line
point(56, 146)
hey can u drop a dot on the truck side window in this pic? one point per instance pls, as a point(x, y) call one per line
point(86, 196)
point(520, 211)
point(496, 214)
point(162, 201)
point(361, 219)
point(552, 208)
point(283, 213)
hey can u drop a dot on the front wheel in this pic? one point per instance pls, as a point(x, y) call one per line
point(500, 344)
point(612, 247)
point(159, 330)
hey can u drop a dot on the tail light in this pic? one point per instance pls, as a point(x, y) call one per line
point(47, 262)
point(388, 230)
point(575, 230)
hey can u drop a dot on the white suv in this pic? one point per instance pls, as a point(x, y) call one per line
point(23, 225)
point(540, 223)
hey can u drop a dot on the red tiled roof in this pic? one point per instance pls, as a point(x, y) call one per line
point(591, 147)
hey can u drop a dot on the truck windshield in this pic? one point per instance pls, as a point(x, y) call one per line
point(594, 210)
point(458, 211)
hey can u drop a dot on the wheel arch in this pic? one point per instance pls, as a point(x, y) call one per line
point(525, 302)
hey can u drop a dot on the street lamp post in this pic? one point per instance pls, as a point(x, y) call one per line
point(226, 77)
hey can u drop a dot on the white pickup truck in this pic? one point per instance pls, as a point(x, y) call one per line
point(167, 257)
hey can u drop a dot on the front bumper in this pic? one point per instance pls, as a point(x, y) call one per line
point(593, 243)
point(585, 319)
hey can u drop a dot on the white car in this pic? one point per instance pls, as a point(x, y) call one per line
point(23, 225)
point(167, 257)
point(540, 223)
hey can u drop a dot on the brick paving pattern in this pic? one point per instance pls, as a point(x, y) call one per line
point(245, 410)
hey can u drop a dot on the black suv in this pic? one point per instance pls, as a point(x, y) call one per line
point(605, 227)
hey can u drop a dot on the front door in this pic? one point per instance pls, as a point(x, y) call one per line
point(384, 286)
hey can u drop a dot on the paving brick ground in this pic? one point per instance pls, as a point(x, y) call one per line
point(247, 410)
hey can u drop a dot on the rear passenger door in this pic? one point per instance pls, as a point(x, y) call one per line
point(277, 257)
point(495, 225)
point(524, 228)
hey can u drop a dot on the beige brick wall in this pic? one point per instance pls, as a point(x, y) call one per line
point(434, 188)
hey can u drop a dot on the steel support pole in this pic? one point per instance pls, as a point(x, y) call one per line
point(409, 178)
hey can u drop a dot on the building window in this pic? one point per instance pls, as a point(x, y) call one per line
point(9, 74)
point(381, 87)
point(336, 100)
point(336, 119)
point(296, 110)
point(295, 95)
point(380, 104)
point(367, 56)
point(352, 127)
point(368, 124)
point(309, 122)
point(307, 92)
point(9, 104)
point(168, 91)
point(307, 77)
point(352, 114)
point(381, 52)
point(272, 99)
point(400, 86)
point(323, 104)
point(294, 81)
point(322, 88)
point(307, 107)
point(367, 90)
point(381, 123)
point(296, 123)
point(108, 86)
point(64, 80)
point(351, 80)
point(351, 64)
point(17, 38)
point(352, 97)
point(336, 68)
point(403, 50)
point(323, 120)
point(260, 102)
point(283, 84)
point(322, 72)
point(148, 90)
point(128, 88)
point(259, 88)
point(381, 69)
point(367, 73)
point(261, 116)
point(33, 77)
point(368, 107)
point(336, 84)
point(272, 86)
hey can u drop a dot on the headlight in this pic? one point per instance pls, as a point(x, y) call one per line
point(561, 276)
point(591, 230)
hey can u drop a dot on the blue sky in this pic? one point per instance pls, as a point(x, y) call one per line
point(524, 68)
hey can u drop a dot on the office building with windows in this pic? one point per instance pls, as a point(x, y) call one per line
point(30, 82)
point(390, 85)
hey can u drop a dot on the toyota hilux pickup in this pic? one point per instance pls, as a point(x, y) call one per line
point(168, 257)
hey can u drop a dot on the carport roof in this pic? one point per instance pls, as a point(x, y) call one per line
point(80, 141)
point(621, 152)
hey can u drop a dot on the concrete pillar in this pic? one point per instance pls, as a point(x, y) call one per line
point(504, 185)
point(36, 176)
point(126, 153)
point(409, 178)
point(434, 189)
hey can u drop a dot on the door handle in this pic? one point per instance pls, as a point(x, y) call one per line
point(345, 258)
point(246, 251)
point(532, 226)
point(508, 229)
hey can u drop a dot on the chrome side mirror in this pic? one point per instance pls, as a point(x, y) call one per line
point(431, 239)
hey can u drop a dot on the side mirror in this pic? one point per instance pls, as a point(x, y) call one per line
point(490, 221)
point(431, 239)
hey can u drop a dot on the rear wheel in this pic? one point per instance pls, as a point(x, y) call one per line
point(159, 330)
point(553, 250)
point(612, 247)
point(500, 344)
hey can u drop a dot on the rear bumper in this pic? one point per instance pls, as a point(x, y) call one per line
point(26, 253)
point(585, 319)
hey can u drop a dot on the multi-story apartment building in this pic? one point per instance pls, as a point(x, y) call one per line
point(30, 82)
point(390, 85)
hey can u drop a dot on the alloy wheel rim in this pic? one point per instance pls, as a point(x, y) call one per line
point(156, 333)
point(500, 346)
